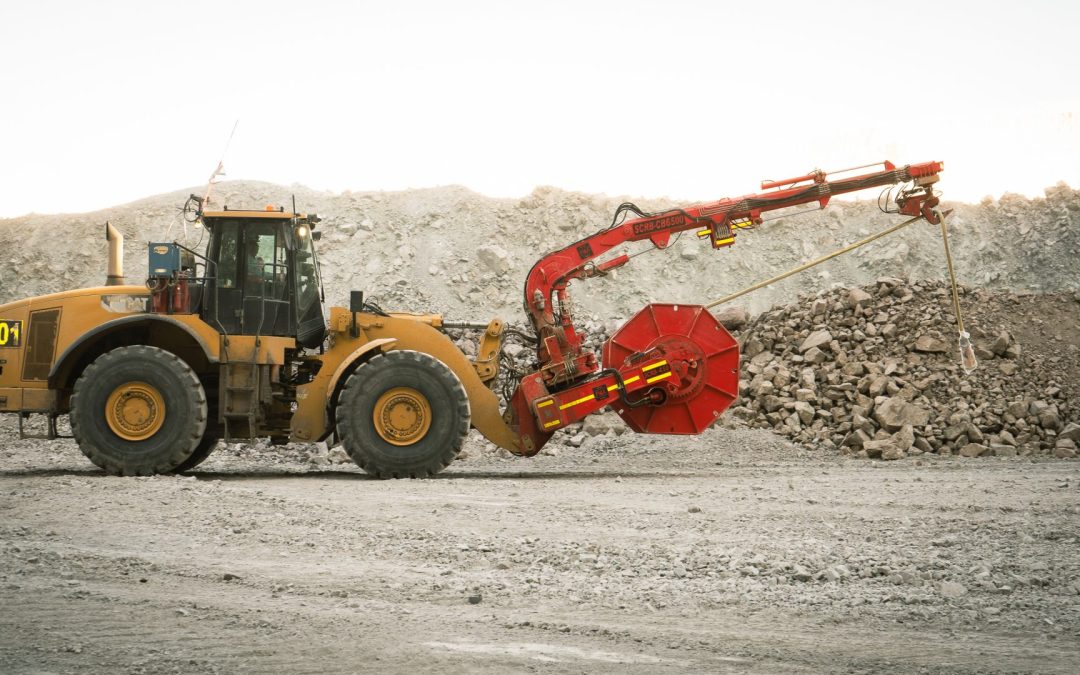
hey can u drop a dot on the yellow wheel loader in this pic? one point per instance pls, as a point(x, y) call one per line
point(233, 343)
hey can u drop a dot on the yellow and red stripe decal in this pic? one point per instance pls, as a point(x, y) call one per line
point(654, 366)
point(571, 404)
point(613, 387)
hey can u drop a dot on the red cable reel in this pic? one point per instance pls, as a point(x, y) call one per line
point(697, 348)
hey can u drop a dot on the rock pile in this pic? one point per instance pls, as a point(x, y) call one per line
point(875, 371)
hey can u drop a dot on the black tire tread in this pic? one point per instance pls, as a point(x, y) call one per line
point(205, 448)
point(168, 462)
point(356, 384)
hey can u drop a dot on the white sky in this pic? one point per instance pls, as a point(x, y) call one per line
point(105, 102)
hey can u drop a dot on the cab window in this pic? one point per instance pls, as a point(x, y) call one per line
point(226, 255)
point(265, 265)
point(307, 275)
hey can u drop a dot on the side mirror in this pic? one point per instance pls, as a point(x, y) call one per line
point(356, 304)
point(316, 236)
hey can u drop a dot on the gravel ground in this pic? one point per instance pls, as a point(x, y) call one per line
point(730, 552)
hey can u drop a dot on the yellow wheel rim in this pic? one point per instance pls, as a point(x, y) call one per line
point(135, 411)
point(402, 416)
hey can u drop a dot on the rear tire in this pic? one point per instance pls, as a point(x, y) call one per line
point(138, 411)
point(214, 430)
point(403, 414)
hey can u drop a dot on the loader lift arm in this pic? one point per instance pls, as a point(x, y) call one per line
point(670, 358)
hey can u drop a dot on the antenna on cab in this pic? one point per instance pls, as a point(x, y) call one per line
point(220, 170)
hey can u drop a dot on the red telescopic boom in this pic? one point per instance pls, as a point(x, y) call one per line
point(563, 365)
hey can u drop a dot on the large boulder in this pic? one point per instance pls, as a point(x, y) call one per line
point(895, 412)
point(904, 438)
point(857, 296)
point(878, 448)
point(733, 317)
point(805, 411)
point(1071, 432)
point(892, 453)
point(972, 450)
point(1000, 344)
point(818, 338)
point(929, 344)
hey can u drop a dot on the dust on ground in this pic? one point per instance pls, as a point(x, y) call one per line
point(730, 552)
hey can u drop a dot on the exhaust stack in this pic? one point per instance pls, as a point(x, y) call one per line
point(115, 273)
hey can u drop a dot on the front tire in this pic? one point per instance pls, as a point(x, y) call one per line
point(138, 411)
point(403, 414)
point(206, 446)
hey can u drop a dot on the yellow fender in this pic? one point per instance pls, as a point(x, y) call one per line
point(315, 401)
point(486, 417)
point(311, 422)
point(346, 365)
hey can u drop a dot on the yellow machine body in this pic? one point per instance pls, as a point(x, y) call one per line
point(48, 340)
point(153, 376)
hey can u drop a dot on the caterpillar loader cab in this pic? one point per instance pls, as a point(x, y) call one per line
point(259, 287)
point(262, 276)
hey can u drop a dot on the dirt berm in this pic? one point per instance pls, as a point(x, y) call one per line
point(465, 255)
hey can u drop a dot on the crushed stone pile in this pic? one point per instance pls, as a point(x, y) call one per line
point(874, 371)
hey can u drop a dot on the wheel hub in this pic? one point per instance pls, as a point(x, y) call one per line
point(402, 416)
point(135, 411)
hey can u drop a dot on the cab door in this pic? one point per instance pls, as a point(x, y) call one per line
point(223, 295)
point(310, 320)
point(267, 295)
point(249, 289)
